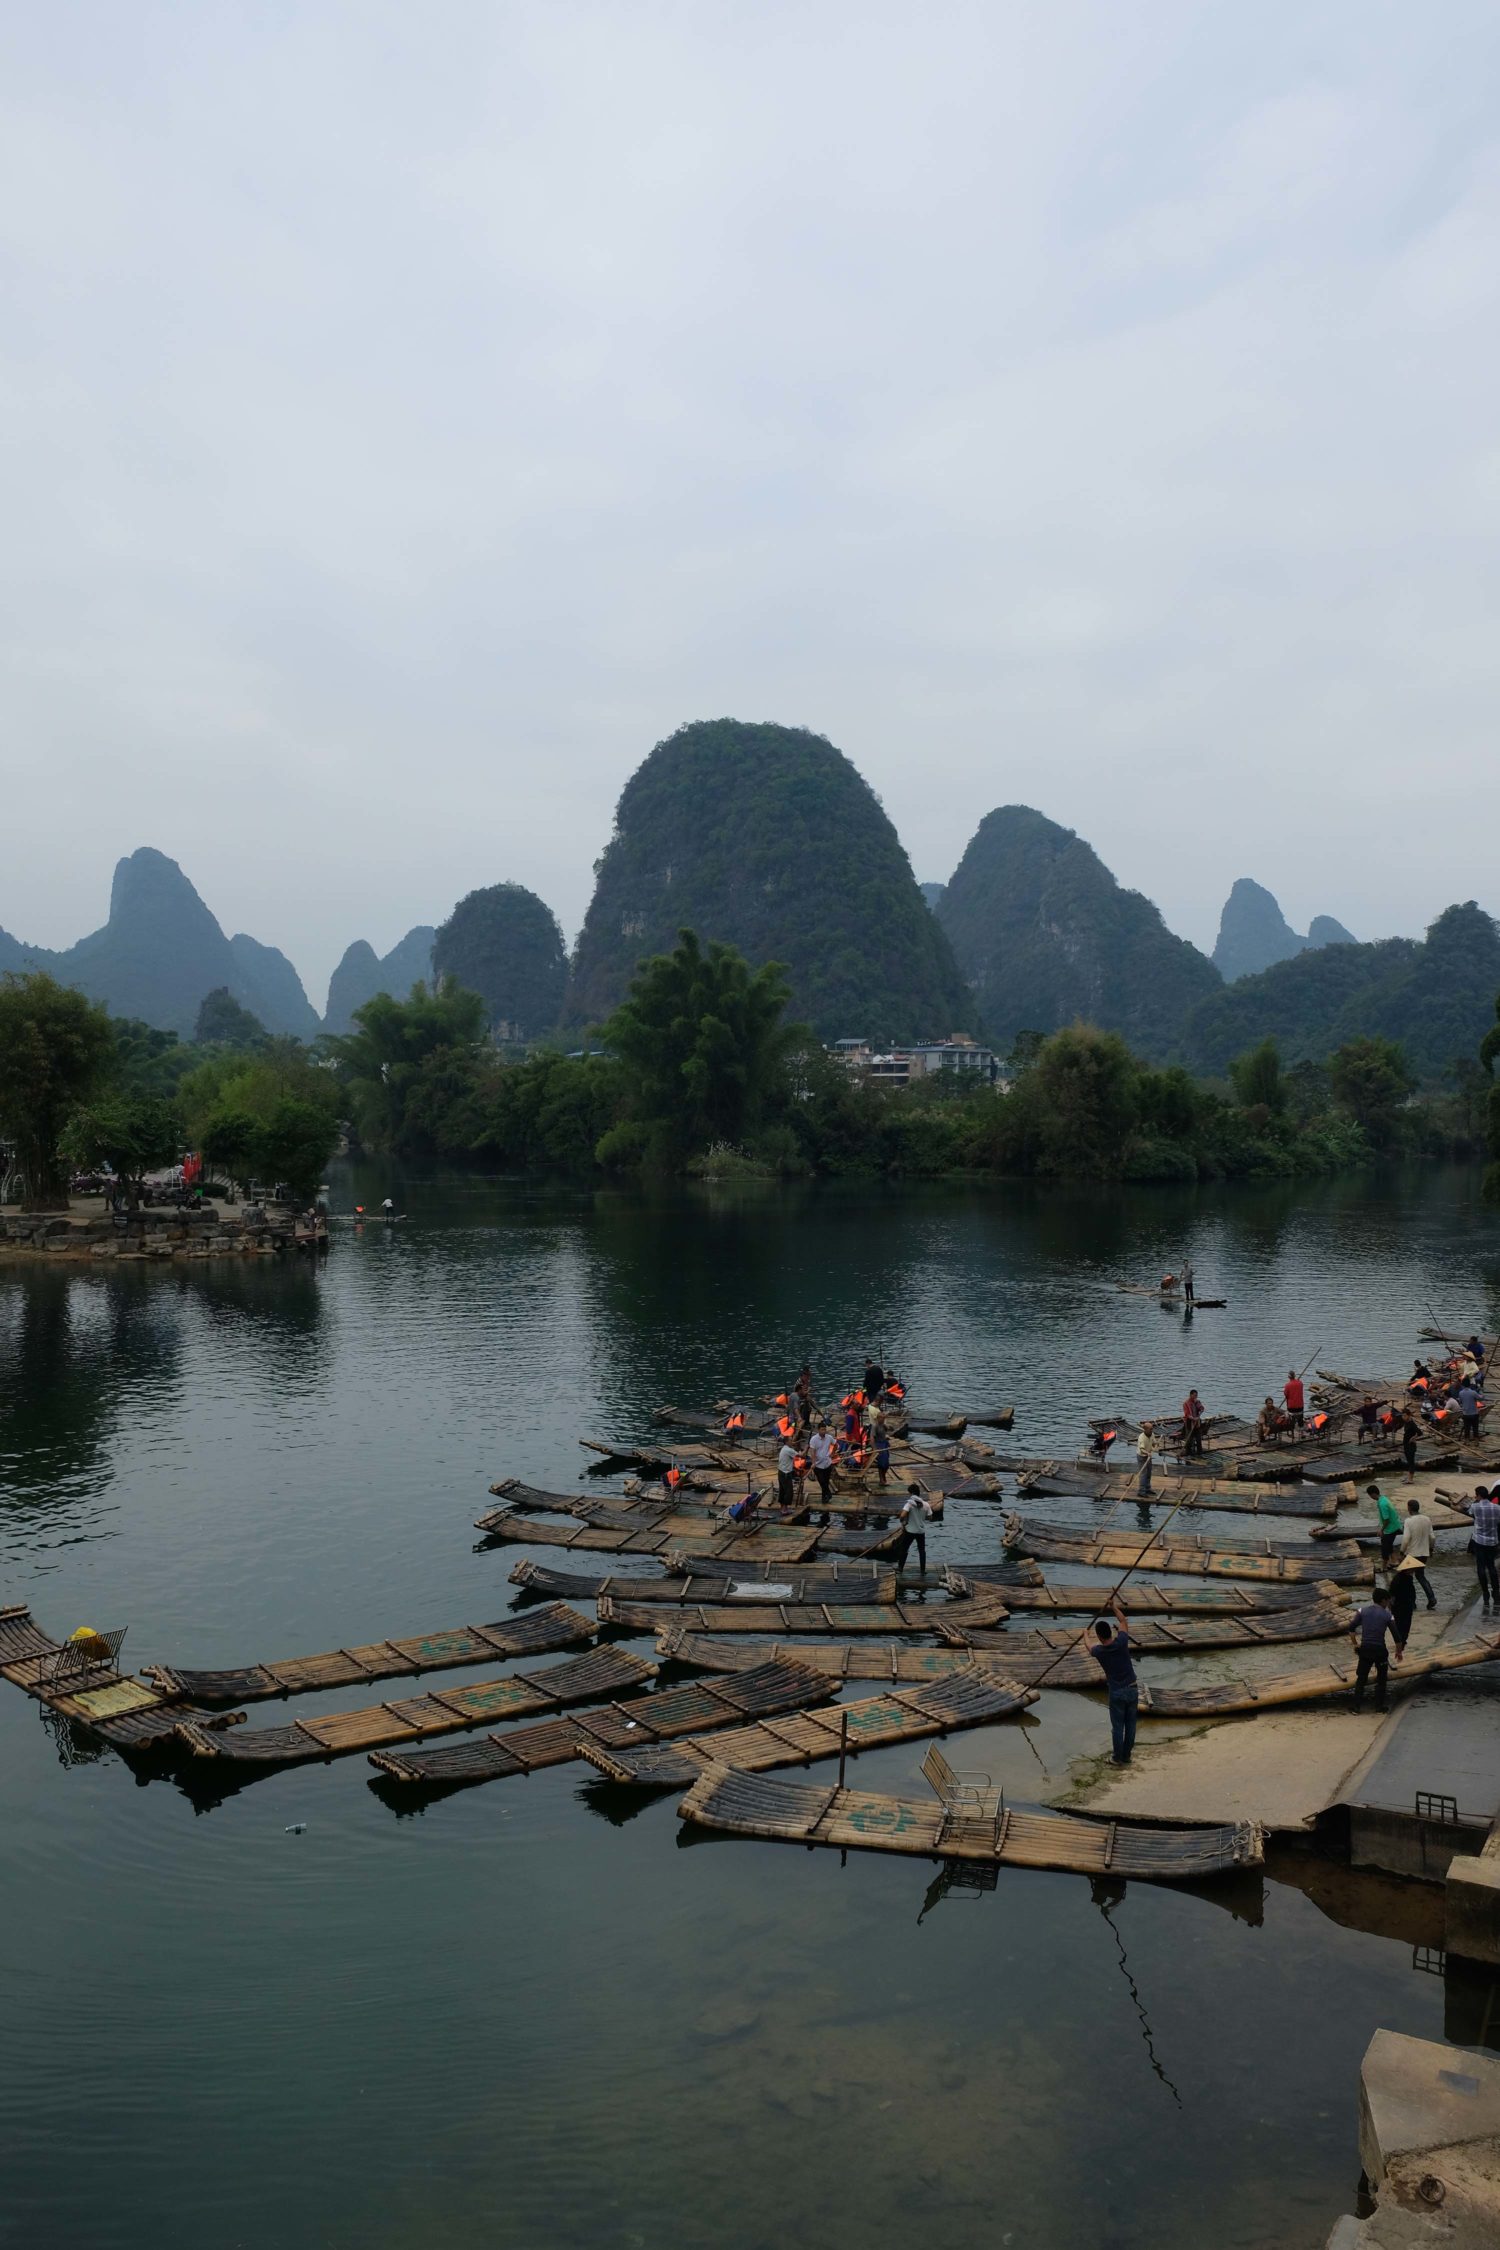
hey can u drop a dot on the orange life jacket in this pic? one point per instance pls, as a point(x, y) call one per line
point(896, 1390)
point(674, 1476)
point(735, 1422)
point(780, 1399)
point(786, 1426)
point(1318, 1420)
point(800, 1465)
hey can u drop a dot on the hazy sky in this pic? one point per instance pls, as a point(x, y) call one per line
point(411, 414)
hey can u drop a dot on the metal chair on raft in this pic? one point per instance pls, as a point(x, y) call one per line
point(82, 1654)
point(973, 1808)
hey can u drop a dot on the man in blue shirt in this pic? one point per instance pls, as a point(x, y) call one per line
point(1371, 1625)
point(1111, 1652)
point(1484, 1514)
point(1468, 1407)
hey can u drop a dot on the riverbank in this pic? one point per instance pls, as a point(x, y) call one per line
point(89, 1229)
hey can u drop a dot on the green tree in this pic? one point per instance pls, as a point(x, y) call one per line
point(55, 1049)
point(1257, 1079)
point(1489, 1051)
point(222, 1022)
point(702, 1050)
point(1078, 1103)
point(131, 1132)
point(149, 1061)
point(293, 1142)
point(1371, 1081)
point(273, 1114)
point(379, 1063)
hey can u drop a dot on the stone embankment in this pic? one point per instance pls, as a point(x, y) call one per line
point(214, 1231)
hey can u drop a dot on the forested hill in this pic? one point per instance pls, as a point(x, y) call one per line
point(503, 942)
point(1045, 935)
point(1435, 997)
point(767, 838)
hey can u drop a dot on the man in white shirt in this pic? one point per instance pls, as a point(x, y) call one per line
point(786, 1466)
point(914, 1515)
point(820, 1453)
point(1416, 1541)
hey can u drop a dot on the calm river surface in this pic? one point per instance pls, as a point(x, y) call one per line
point(538, 2013)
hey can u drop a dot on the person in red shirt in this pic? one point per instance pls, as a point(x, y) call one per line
point(1192, 1424)
point(1295, 1398)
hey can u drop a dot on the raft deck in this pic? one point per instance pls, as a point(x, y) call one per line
point(1227, 1598)
point(1182, 1553)
point(772, 1687)
point(967, 1697)
point(1316, 1682)
point(1190, 1494)
point(534, 1634)
point(846, 1581)
point(799, 1812)
point(582, 1679)
point(1060, 1659)
point(127, 1713)
point(951, 1617)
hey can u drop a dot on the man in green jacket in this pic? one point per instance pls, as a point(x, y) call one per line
point(1390, 1520)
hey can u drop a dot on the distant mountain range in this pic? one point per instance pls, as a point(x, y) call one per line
point(161, 951)
point(1254, 934)
point(768, 838)
point(362, 973)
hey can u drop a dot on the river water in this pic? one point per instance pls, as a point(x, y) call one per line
point(539, 2013)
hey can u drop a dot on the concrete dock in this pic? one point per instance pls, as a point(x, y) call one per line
point(1429, 2142)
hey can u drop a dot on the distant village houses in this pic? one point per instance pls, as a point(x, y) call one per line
point(902, 1066)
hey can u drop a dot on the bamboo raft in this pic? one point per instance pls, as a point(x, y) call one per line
point(1190, 1556)
point(1316, 1682)
point(774, 1686)
point(948, 1617)
point(680, 1521)
point(1228, 1598)
point(973, 1417)
point(127, 1713)
point(591, 1678)
point(653, 1457)
point(1077, 1483)
point(1061, 1659)
point(845, 1499)
point(782, 1543)
point(800, 1812)
point(688, 1539)
point(849, 1581)
point(536, 1634)
point(965, 1697)
point(835, 1660)
point(1027, 1654)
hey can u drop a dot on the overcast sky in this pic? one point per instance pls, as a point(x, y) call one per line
point(411, 414)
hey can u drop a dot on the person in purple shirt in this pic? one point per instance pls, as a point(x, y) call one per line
point(1371, 1625)
point(1111, 1652)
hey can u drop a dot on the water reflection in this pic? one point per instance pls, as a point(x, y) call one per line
point(1107, 1894)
